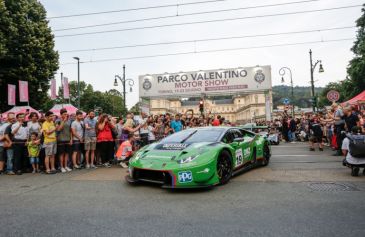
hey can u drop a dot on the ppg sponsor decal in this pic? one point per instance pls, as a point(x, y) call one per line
point(185, 177)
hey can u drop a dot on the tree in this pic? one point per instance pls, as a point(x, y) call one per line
point(302, 95)
point(356, 69)
point(136, 109)
point(111, 102)
point(4, 23)
point(355, 81)
point(26, 49)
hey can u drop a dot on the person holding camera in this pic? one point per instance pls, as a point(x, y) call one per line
point(105, 139)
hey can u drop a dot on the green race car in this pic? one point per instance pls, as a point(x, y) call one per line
point(199, 157)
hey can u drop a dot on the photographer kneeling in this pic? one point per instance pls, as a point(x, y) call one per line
point(353, 147)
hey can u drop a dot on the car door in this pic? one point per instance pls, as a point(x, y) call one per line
point(242, 149)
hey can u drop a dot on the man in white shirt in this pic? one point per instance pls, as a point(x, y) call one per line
point(143, 131)
point(20, 132)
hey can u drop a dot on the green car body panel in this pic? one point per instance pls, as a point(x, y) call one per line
point(181, 165)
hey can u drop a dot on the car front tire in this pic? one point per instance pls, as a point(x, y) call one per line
point(266, 154)
point(224, 167)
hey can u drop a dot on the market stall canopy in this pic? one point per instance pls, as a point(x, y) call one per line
point(360, 98)
point(69, 107)
point(20, 109)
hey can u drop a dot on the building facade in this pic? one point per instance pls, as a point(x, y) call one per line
point(238, 109)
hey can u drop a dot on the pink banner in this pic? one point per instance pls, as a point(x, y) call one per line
point(53, 89)
point(66, 89)
point(23, 91)
point(11, 95)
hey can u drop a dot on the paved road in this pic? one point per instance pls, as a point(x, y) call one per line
point(290, 197)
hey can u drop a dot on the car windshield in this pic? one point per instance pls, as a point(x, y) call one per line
point(194, 135)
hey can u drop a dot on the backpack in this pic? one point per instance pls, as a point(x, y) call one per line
point(357, 145)
point(317, 130)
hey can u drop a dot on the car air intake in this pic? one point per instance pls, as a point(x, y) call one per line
point(153, 176)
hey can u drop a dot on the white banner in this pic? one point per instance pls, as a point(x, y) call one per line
point(208, 82)
point(53, 89)
point(66, 89)
point(23, 91)
point(267, 107)
point(145, 106)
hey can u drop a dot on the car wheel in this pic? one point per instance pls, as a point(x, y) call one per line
point(224, 167)
point(266, 154)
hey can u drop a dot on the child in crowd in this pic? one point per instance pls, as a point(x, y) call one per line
point(125, 151)
point(33, 151)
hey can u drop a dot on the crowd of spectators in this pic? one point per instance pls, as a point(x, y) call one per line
point(327, 127)
point(340, 128)
point(51, 144)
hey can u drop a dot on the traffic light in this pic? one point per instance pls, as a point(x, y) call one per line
point(201, 106)
point(314, 101)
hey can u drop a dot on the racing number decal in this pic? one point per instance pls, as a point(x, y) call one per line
point(239, 157)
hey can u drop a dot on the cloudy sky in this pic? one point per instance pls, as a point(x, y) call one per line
point(258, 50)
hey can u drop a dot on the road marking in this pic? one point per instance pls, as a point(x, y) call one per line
point(289, 146)
point(296, 155)
point(293, 175)
point(305, 161)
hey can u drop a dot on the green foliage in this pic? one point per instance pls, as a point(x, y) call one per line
point(355, 81)
point(302, 95)
point(26, 49)
point(4, 22)
point(136, 109)
point(111, 102)
point(356, 70)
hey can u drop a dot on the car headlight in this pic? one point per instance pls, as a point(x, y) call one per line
point(187, 159)
point(136, 157)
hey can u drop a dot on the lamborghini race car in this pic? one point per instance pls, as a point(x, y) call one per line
point(199, 157)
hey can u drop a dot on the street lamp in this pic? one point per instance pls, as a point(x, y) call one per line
point(40, 88)
point(312, 67)
point(282, 74)
point(123, 80)
point(78, 81)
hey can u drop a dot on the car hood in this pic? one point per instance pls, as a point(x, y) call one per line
point(167, 156)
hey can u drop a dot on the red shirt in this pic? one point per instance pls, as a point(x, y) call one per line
point(216, 122)
point(105, 135)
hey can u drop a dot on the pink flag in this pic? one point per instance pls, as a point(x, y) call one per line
point(11, 94)
point(23, 91)
point(66, 89)
point(53, 89)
